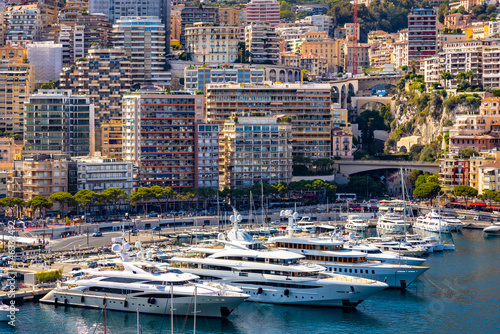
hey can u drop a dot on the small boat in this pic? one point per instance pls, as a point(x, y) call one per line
point(493, 229)
point(5, 312)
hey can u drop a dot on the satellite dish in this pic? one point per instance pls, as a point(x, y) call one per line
point(138, 244)
point(282, 213)
point(231, 218)
point(295, 215)
point(126, 247)
point(239, 218)
point(351, 236)
point(117, 248)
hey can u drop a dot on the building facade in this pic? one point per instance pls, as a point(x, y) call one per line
point(46, 58)
point(261, 11)
point(112, 144)
point(159, 137)
point(422, 32)
point(255, 148)
point(197, 77)
point(208, 155)
point(212, 44)
point(98, 174)
point(58, 122)
point(192, 14)
point(262, 43)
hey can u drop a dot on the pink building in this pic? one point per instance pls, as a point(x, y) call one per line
point(263, 11)
point(341, 144)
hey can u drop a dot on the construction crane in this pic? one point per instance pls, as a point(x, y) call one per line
point(355, 39)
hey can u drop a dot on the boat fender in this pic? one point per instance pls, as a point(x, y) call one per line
point(125, 304)
point(259, 291)
point(56, 300)
point(65, 301)
point(104, 301)
point(151, 300)
point(287, 292)
point(82, 299)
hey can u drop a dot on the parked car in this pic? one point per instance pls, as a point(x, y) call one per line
point(153, 214)
point(97, 234)
point(156, 228)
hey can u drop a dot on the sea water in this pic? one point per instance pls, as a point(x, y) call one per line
point(460, 294)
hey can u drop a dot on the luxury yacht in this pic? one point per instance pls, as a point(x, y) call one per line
point(401, 247)
point(272, 276)
point(392, 223)
point(433, 222)
point(330, 253)
point(354, 223)
point(375, 254)
point(455, 223)
point(306, 225)
point(143, 287)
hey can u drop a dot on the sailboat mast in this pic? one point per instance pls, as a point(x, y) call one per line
point(194, 326)
point(262, 203)
point(172, 308)
point(404, 200)
point(218, 212)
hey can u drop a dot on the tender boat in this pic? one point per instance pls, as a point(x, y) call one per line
point(144, 288)
point(392, 223)
point(493, 229)
point(354, 223)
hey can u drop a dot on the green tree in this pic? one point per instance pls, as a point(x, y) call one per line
point(446, 76)
point(427, 191)
point(64, 199)
point(465, 191)
point(324, 165)
point(468, 152)
point(116, 196)
point(489, 196)
point(143, 194)
point(40, 204)
point(84, 198)
point(14, 204)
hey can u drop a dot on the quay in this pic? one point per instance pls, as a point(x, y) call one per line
point(25, 294)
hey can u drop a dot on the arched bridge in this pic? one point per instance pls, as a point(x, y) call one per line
point(349, 167)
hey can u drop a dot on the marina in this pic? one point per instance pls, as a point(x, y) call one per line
point(434, 302)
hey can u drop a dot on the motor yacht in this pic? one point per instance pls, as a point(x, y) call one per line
point(433, 222)
point(455, 223)
point(305, 224)
point(272, 276)
point(392, 223)
point(401, 247)
point(354, 223)
point(7, 313)
point(375, 254)
point(143, 287)
point(493, 229)
point(329, 252)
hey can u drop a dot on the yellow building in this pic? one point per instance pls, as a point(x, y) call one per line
point(339, 115)
point(17, 82)
point(9, 151)
point(326, 48)
point(112, 139)
point(44, 177)
point(229, 16)
point(9, 52)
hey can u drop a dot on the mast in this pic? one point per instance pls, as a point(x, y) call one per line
point(250, 213)
point(194, 326)
point(404, 200)
point(105, 329)
point(218, 212)
point(172, 308)
point(138, 323)
point(439, 213)
point(262, 203)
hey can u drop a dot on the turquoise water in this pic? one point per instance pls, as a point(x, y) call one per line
point(460, 293)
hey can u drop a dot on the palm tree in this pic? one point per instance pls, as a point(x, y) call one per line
point(461, 76)
point(446, 76)
point(470, 75)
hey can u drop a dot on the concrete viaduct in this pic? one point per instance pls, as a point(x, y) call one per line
point(349, 167)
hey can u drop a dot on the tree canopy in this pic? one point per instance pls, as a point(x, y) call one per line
point(465, 191)
point(427, 191)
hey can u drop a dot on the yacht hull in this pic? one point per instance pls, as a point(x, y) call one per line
point(206, 305)
point(324, 292)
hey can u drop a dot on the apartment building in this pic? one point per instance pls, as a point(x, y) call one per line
point(401, 53)
point(489, 177)
point(339, 115)
point(143, 39)
point(432, 68)
point(263, 11)
point(463, 56)
point(192, 14)
point(291, 59)
point(491, 65)
point(25, 25)
point(330, 49)
point(159, 137)
point(207, 43)
point(293, 34)
point(341, 144)
point(349, 29)
point(98, 174)
point(208, 155)
point(314, 64)
point(308, 105)
point(197, 77)
point(58, 122)
point(4, 26)
point(47, 59)
point(79, 5)
point(363, 51)
point(453, 172)
point(111, 142)
point(103, 76)
point(255, 148)
point(446, 38)
point(457, 20)
point(262, 43)
point(479, 131)
point(17, 82)
point(9, 151)
point(422, 32)
point(229, 16)
point(323, 22)
point(13, 51)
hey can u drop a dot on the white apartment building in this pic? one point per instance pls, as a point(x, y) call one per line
point(463, 56)
point(323, 22)
point(293, 35)
point(262, 43)
point(46, 57)
point(206, 43)
point(98, 174)
point(432, 69)
point(263, 11)
point(25, 26)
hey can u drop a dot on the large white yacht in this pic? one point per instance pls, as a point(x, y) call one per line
point(433, 222)
point(306, 224)
point(143, 287)
point(330, 253)
point(493, 229)
point(354, 223)
point(392, 223)
point(375, 254)
point(455, 223)
point(272, 276)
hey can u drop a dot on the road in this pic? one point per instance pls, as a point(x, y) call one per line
point(81, 241)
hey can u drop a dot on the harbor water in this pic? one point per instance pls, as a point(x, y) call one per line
point(460, 293)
